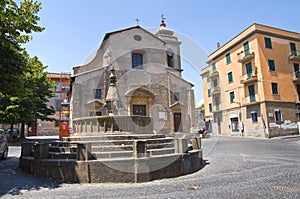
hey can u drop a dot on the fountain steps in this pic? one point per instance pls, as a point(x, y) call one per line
point(111, 146)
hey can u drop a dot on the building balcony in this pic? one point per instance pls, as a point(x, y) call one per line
point(296, 77)
point(216, 108)
point(245, 57)
point(214, 73)
point(294, 55)
point(248, 78)
point(216, 91)
point(251, 100)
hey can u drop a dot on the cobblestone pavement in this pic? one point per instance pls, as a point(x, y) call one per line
point(235, 168)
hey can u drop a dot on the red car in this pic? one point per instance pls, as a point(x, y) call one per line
point(202, 131)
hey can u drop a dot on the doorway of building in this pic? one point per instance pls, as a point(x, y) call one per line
point(219, 125)
point(139, 110)
point(177, 122)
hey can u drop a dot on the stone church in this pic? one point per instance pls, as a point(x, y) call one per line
point(141, 74)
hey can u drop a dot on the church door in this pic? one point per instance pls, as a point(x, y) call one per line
point(139, 110)
point(177, 122)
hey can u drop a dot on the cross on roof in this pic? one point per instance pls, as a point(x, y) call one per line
point(137, 21)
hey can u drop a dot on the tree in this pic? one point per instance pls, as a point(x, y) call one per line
point(16, 25)
point(24, 88)
point(35, 94)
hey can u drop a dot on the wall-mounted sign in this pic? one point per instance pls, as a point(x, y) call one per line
point(270, 114)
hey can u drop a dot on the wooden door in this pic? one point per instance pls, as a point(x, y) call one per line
point(177, 122)
point(139, 110)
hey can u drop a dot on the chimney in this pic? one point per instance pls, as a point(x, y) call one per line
point(218, 45)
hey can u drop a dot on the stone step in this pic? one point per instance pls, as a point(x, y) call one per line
point(110, 148)
point(66, 155)
point(63, 144)
point(162, 151)
point(113, 154)
point(112, 137)
point(62, 149)
point(115, 142)
point(160, 145)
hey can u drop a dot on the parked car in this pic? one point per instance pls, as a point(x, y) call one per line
point(14, 135)
point(202, 131)
point(3, 145)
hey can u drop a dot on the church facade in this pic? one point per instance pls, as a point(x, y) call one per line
point(148, 81)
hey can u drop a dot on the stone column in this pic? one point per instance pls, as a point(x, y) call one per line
point(84, 152)
point(41, 150)
point(181, 145)
point(139, 149)
point(196, 143)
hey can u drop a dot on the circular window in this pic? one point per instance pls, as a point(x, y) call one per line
point(137, 37)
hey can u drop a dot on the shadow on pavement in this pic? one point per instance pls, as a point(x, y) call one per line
point(14, 182)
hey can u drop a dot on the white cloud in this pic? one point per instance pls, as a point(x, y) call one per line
point(200, 102)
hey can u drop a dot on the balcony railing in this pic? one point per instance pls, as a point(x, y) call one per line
point(294, 55)
point(214, 73)
point(246, 56)
point(216, 90)
point(216, 108)
point(248, 78)
point(251, 99)
point(296, 76)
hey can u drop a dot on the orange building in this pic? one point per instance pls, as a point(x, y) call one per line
point(62, 81)
point(252, 84)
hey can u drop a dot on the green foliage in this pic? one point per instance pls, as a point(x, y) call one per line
point(24, 88)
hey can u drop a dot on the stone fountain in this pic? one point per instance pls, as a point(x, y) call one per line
point(112, 148)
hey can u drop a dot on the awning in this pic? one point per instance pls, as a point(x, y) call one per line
point(233, 116)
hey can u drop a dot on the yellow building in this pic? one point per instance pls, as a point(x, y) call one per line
point(252, 84)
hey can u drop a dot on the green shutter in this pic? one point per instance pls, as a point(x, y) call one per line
point(268, 42)
point(228, 59)
point(231, 97)
point(230, 78)
point(271, 65)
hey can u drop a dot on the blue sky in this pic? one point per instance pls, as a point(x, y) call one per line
point(74, 29)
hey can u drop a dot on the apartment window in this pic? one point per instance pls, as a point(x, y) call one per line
point(215, 83)
point(251, 90)
point(268, 42)
point(208, 79)
point(231, 94)
point(230, 78)
point(137, 61)
point(214, 68)
point(57, 86)
point(228, 59)
point(271, 65)
point(275, 89)
point(176, 96)
point(210, 107)
point(217, 103)
point(57, 102)
point(296, 69)
point(249, 70)
point(246, 48)
point(278, 117)
point(97, 93)
point(254, 116)
point(293, 49)
point(208, 92)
